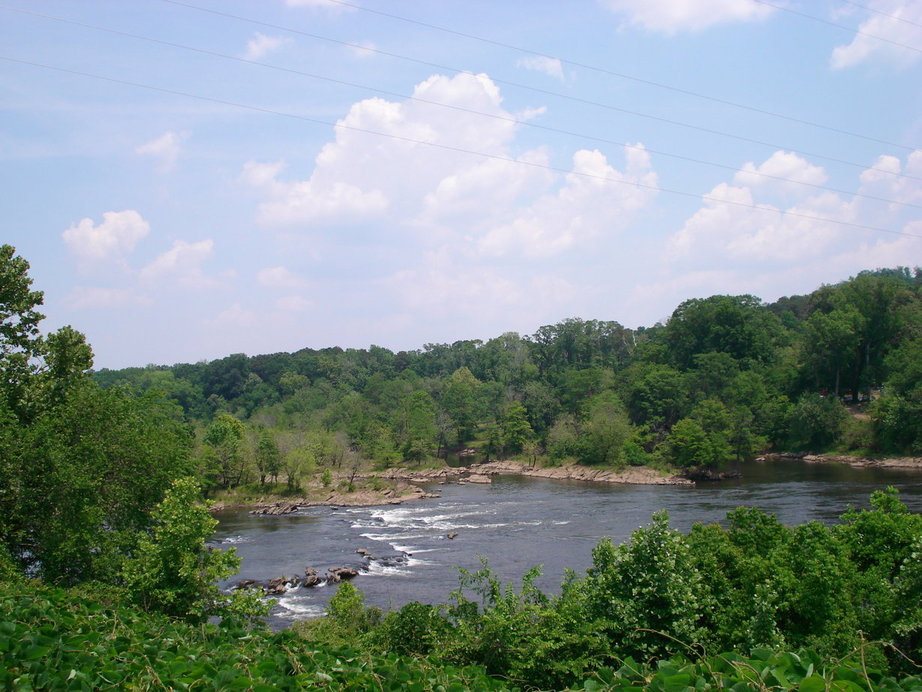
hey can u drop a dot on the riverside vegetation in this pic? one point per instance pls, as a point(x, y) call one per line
point(106, 579)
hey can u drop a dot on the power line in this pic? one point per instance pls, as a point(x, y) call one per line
point(828, 22)
point(621, 75)
point(546, 92)
point(882, 13)
point(462, 150)
point(454, 107)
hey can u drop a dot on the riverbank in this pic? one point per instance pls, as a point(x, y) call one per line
point(395, 492)
point(397, 485)
point(911, 463)
point(483, 473)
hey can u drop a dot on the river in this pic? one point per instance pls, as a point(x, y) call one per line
point(516, 523)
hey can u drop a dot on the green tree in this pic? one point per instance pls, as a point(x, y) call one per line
point(20, 340)
point(418, 431)
point(605, 431)
point(815, 422)
point(739, 326)
point(461, 401)
point(174, 572)
point(225, 436)
point(268, 457)
point(515, 428)
point(636, 593)
point(690, 446)
point(656, 396)
point(86, 475)
point(830, 341)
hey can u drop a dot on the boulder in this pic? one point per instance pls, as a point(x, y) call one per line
point(312, 580)
point(344, 573)
point(279, 585)
point(453, 534)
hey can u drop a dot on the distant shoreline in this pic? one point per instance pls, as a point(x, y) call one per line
point(402, 486)
point(912, 463)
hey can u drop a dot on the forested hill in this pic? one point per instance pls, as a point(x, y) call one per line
point(724, 378)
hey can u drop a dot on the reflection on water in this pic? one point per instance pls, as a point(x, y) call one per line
point(517, 523)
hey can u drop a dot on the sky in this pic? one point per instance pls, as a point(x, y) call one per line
point(194, 178)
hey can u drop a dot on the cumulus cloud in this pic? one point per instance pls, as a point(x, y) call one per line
point(671, 16)
point(488, 205)
point(181, 265)
point(113, 239)
point(737, 226)
point(542, 63)
point(261, 45)
point(165, 149)
point(594, 199)
point(280, 277)
point(785, 170)
point(889, 23)
point(891, 179)
point(360, 175)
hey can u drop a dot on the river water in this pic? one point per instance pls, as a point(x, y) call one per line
point(516, 523)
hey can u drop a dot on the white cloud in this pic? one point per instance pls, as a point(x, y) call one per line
point(261, 45)
point(541, 63)
point(280, 277)
point(888, 178)
point(782, 164)
point(165, 149)
point(893, 22)
point(113, 239)
point(484, 206)
point(362, 176)
point(181, 265)
point(671, 16)
point(594, 199)
point(736, 226)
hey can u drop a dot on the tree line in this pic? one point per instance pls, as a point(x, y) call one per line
point(725, 378)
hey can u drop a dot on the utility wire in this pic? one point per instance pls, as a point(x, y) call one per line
point(621, 75)
point(448, 147)
point(828, 22)
point(882, 13)
point(462, 109)
point(547, 92)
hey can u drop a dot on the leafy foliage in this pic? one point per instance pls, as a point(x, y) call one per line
point(174, 572)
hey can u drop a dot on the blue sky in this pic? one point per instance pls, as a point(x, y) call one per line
point(198, 178)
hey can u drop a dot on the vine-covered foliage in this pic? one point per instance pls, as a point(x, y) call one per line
point(52, 639)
